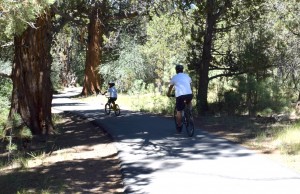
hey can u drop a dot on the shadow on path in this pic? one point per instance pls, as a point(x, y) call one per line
point(156, 160)
point(80, 159)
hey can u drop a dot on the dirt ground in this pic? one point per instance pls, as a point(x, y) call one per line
point(80, 159)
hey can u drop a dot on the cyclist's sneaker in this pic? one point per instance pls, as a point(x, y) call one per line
point(179, 129)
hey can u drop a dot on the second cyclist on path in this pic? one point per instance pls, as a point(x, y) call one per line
point(113, 94)
point(183, 93)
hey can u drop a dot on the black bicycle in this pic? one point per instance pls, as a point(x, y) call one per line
point(110, 107)
point(187, 120)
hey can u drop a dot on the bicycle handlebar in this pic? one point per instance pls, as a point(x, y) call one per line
point(172, 95)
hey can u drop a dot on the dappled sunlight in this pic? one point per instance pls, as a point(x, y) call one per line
point(74, 153)
point(68, 176)
point(81, 158)
point(151, 152)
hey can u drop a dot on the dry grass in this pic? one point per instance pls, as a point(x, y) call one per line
point(279, 141)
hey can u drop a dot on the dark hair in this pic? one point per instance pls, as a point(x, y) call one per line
point(179, 68)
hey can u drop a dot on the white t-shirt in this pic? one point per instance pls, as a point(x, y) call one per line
point(112, 92)
point(182, 83)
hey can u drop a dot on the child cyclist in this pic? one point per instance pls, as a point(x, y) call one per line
point(113, 94)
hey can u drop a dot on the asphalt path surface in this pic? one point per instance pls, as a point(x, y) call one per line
point(156, 160)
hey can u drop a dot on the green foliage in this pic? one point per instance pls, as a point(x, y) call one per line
point(256, 56)
point(165, 46)
point(258, 39)
point(25, 133)
point(15, 131)
point(11, 147)
point(138, 87)
point(255, 96)
point(128, 67)
point(152, 102)
point(232, 102)
point(68, 55)
point(151, 62)
point(286, 13)
point(147, 98)
point(5, 96)
point(17, 15)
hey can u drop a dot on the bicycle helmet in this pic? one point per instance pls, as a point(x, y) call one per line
point(179, 68)
point(111, 83)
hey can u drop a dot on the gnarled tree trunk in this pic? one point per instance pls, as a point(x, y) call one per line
point(32, 88)
point(93, 55)
point(206, 60)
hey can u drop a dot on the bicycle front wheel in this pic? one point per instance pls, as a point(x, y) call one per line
point(189, 125)
point(107, 108)
point(117, 110)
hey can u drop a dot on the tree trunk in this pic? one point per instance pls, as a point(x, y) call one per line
point(93, 55)
point(32, 88)
point(206, 60)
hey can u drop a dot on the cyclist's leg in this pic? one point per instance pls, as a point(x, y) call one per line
point(113, 101)
point(179, 107)
point(188, 100)
point(109, 101)
point(178, 118)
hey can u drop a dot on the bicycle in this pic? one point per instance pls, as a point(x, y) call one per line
point(187, 120)
point(109, 107)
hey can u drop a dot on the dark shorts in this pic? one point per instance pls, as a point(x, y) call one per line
point(181, 99)
point(110, 100)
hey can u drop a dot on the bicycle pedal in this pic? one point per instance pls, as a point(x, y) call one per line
point(179, 129)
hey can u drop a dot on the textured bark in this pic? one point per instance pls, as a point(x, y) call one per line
point(32, 88)
point(206, 60)
point(213, 13)
point(93, 55)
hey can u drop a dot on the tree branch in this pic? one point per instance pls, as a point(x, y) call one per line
point(226, 75)
point(232, 25)
point(293, 32)
point(67, 17)
point(124, 15)
point(222, 9)
point(213, 67)
point(5, 75)
point(8, 44)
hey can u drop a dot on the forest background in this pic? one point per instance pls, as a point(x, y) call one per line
point(243, 56)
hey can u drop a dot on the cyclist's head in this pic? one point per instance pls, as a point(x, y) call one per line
point(179, 68)
point(111, 84)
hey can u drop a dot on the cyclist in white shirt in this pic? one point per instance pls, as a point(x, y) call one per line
point(183, 92)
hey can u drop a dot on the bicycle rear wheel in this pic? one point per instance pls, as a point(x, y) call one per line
point(117, 110)
point(189, 124)
point(107, 108)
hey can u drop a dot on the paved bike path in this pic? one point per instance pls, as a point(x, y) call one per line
point(155, 160)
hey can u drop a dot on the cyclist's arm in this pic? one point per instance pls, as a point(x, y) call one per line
point(191, 84)
point(170, 90)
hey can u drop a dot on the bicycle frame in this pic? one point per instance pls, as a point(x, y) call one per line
point(109, 106)
point(186, 119)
